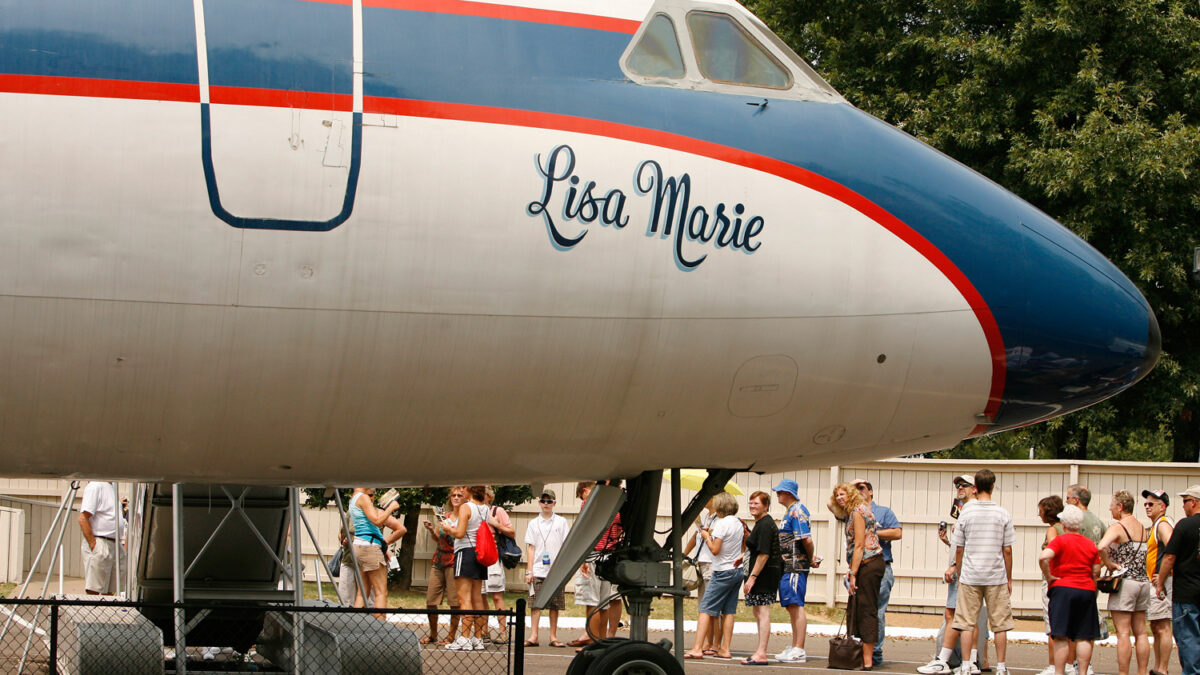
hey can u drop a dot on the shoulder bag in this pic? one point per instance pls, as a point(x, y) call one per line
point(845, 650)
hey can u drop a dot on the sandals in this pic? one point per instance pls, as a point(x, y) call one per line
point(530, 643)
point(558, 644)
point(426, 640)
point(581, 642)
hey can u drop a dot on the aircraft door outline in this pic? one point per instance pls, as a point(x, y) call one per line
point(328, 157)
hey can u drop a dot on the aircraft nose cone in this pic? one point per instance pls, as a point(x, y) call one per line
point(1086, 332)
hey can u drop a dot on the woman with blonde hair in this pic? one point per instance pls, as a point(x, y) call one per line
point(1124, 546)
point(368, 544)
point(724, 540)
point(865, 559)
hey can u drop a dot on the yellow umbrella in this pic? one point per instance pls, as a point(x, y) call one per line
point(693, 479)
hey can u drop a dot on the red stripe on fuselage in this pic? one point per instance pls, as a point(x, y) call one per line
point(98, 88)
point(277, 98)
point(67, 86)
point(724, 153)
point(511, 12)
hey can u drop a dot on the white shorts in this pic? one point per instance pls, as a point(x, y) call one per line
point(591, 590)
point(496, 582)
point(99, 566)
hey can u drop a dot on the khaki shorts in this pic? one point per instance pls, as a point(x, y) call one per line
point(1132, 596)
point(970, 598)
point(1160, 609)
point(441, 585)
point(704, 571)
point(99, 566)
point(370, 558)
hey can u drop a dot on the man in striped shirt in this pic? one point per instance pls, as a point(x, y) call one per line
point(983, 543)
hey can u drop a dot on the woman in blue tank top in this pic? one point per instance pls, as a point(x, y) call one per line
point(468, 573)
point(368, 544)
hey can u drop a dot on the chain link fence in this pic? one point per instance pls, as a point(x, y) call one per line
point(102, 636)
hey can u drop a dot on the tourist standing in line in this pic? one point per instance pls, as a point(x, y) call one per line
point(1048, 510)
point(1160, 610)
point(761, 586)
point(544, 539)
point(949, 655)
point(889, 529)
point(1182, 560)
point(441, 571)
point(704, 561)
point(1123, 546)
point(1070, 564)
point(864, 557)
point(725, 542)
point(796, 546)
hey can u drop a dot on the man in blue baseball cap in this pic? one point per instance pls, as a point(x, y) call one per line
point(796, 544)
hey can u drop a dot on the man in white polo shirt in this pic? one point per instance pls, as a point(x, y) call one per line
point(101, 540)
point(982, 543)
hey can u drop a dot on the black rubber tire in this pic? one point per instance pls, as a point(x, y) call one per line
point(581, 663)
point(635, 658)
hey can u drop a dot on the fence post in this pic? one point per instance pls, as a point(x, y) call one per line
point(519, 639)
point(54, 639)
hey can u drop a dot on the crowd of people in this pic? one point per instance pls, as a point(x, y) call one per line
point(1151, 571)
point(457, 578)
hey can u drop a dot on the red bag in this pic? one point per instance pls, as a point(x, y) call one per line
point(485, 545)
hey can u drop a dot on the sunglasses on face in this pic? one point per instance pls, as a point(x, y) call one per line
point(961, 485)
point(1188, 499)
point(546, 501)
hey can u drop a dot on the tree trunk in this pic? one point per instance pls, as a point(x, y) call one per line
point(407, 544)
point(1186, 437)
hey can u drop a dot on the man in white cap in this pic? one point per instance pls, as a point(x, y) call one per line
point(796, 544)
point(1181, 559)
point(888, 529)
point(1160, 612)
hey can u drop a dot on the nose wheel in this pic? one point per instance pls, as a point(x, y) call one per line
point(625, 657)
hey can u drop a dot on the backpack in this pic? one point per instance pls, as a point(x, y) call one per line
point(485, 545)
point(510, 553)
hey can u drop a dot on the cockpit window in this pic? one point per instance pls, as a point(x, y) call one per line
point(726, 53)
point(657, 53)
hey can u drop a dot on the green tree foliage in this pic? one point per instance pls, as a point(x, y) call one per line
point(411, 500)
point(1085, 108)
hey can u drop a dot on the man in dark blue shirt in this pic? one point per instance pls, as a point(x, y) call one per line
point(1183, 560)
point(888, 529)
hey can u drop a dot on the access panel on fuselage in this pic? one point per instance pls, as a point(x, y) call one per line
point(280, 142)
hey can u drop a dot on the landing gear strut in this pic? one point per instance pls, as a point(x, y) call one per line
point(639, 569)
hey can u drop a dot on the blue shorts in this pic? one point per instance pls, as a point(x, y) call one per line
point(792, 588)
point(721, 596)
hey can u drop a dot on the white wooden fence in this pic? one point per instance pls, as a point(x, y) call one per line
point(918, 490)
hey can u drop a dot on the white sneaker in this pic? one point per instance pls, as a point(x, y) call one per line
point(1069, 669)
point(209, 653)
point(792, 655)
point(477, 644)
point(935, 667)
point(461, 644)
point(974, 668)
point(1048, 670)
point(1001, 670)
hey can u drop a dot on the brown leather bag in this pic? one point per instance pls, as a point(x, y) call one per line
point(845, 651)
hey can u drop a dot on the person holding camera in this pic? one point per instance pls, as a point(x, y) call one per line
point(441, 570)
point(369, 543)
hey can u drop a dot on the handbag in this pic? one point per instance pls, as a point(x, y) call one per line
point(846, 651)
point(335, 563)
point(1109, 584)
point(691, 575)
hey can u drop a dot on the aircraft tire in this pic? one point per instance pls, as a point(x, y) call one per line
point(632, 658)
